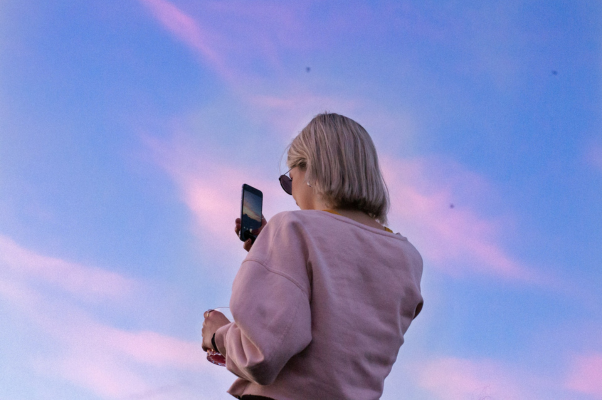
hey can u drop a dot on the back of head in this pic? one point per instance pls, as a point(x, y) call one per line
point(341, 165)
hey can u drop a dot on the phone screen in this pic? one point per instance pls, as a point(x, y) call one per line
point(250, 215)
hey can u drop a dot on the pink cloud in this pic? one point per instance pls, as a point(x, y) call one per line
point(263, 34)
point(16, 293)
point(71, 323)
point(114, 362)
point(255, 32)
point(84, 281)
point(102, 376)
point(585, 375)
point(212, 189)
point(145, 347)
point(184, 28)
point(109, 361)
point(455, 239)
point(454, 378)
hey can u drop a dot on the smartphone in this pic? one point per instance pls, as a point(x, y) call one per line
point(250, 213)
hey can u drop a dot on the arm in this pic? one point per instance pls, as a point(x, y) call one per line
point(270, 306)
point(273, 323)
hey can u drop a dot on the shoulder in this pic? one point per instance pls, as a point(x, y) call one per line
point(281, 249)
point(298, 221)
point(282, 218)
point(287, 217)
point(283, 232)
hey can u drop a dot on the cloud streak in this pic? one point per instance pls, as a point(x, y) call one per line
point(455, 239)
point(83, 281)
point(107, 360)
point(585, 374)
point(211, 189)
point(455, 378)
point(458, 241)
point(114, 362)
point(185, 29)
point(273, 28)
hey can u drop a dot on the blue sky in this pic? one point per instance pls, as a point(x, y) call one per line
point(128, 128)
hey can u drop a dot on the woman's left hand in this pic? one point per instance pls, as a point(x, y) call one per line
point(213, 321)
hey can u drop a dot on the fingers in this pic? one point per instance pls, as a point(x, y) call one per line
point(237, 225)
point(247, 245)
point(205, 330)
point(213, 321)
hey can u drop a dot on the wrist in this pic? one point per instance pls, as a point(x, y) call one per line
point(213, 343)
point(220, 339)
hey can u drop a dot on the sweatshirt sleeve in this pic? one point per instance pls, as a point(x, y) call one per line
point(270, 304)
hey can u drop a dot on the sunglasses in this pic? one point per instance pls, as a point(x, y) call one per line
point(286, 182)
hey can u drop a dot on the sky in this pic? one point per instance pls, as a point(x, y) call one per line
point(128, 127)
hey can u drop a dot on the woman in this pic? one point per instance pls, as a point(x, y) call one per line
point(325, 295)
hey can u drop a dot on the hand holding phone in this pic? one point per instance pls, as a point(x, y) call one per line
point(251, 219)
point(248, 243)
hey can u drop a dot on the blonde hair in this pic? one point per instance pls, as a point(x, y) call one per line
point(341, 165)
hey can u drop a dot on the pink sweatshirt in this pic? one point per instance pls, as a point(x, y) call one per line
point(320, 304)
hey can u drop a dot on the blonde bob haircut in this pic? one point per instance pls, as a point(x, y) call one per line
point(341, 165)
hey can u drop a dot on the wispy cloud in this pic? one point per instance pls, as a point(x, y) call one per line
point(255, 31)
point(248, 56)
point(86, 334)
point(100, 375)
point(585, 374)
point(455, 378)
point(185, 29)
point(459, 240)
point(453, 236)
point(84, 281)
point(210, 188)
point(107, 360)
point(114, 362)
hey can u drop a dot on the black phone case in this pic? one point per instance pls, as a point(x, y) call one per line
point(244, 234)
